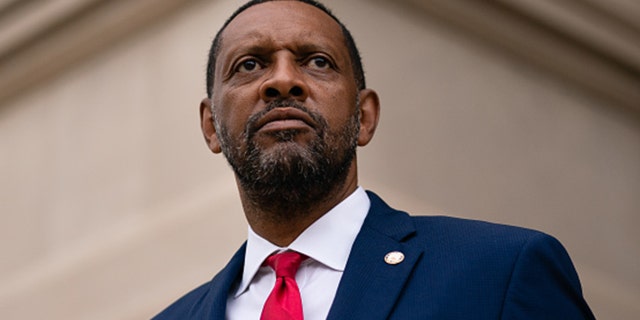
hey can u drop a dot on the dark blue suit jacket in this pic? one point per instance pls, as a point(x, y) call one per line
point(453, 269)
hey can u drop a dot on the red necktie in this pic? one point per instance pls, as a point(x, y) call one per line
point(284, 302)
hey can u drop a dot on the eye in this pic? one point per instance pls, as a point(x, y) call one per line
point(319, 63)
point(248, 65)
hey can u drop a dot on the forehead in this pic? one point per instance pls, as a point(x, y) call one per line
point(283, 22)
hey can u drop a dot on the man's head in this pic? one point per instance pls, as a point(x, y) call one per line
point(287, 108)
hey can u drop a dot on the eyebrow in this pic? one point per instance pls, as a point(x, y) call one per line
point(262, 47)
point(313, 47)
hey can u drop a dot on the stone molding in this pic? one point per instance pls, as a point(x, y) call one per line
point(594, 44)
point(39, 39)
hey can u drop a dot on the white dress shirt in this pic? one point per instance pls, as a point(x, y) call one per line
point(327, 243)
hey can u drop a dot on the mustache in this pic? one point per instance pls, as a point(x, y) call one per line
point(252, 127)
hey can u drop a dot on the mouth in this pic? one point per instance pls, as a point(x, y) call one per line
point(284, 118)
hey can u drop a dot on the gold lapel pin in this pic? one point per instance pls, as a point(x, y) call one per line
point(394, 257)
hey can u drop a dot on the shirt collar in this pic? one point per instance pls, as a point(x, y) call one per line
point(328, 240)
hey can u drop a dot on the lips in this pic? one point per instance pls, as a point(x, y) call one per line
point(284, 118)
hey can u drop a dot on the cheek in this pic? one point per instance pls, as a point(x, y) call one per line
point(233, 110)
point(340, 108)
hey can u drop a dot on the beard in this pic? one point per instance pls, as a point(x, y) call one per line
point(290, 176)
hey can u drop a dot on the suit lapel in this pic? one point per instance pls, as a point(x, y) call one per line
point(215, 304)
point(369, 286)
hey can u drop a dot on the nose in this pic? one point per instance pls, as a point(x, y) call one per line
point(285, 80)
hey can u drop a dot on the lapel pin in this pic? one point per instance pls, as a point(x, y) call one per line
point(394, 257)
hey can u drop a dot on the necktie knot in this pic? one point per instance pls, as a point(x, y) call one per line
point(286, 263)
point(284, 302)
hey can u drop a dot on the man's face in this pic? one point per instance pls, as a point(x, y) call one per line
point(284, 100)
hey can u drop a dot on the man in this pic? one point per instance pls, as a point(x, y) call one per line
point(287, 105)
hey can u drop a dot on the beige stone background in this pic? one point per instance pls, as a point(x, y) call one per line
point(515, 111)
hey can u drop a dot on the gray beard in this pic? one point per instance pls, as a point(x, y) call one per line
point(289, 179)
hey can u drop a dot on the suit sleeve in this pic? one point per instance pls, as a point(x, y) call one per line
point(544, 284)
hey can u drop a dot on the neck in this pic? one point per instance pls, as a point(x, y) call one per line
point(282, 223)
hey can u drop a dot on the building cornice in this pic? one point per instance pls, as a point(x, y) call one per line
point(594, 44)
point(39, 39)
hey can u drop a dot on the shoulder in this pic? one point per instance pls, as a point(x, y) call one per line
point(460, 229)
point(482, 240)
point(541, 280)
point(458, 235)
point(535, 272)
point(449, 230)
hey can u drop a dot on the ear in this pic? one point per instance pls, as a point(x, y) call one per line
point(369, 115)
point(208, 129)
